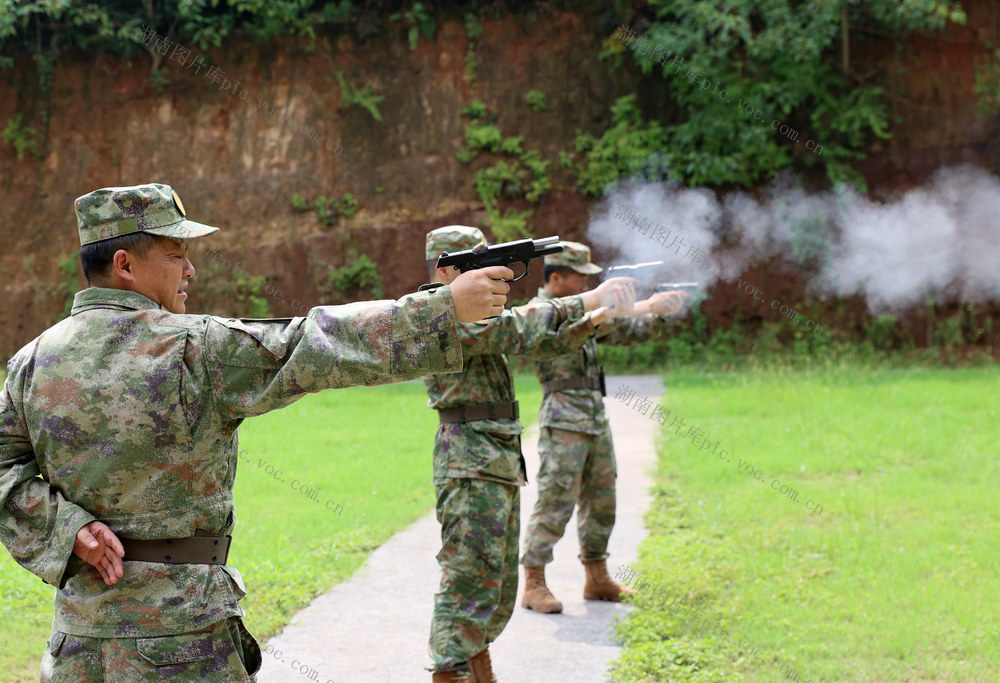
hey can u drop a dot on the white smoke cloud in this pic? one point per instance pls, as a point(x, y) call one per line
point(941, 240)
point(680, 228)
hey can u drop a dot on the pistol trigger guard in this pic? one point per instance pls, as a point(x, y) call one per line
point(527, 267)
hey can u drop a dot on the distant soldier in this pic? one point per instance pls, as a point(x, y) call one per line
point(478, 465)
point(118, 441)
point(574, 444)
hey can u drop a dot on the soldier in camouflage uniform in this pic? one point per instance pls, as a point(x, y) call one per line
point(118, 438)
point(478, 467)
point(577, 457)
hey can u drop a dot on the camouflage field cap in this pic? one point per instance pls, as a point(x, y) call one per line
point(452, 238)
point(574, 255)
point(116, 211)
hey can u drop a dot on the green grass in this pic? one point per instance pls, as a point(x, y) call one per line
point(367, 449)
point(895, 580)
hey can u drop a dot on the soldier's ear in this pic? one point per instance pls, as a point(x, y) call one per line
point(123, 265)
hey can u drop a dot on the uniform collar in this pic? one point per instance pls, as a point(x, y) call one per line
point(544, 294)
point(104, 297)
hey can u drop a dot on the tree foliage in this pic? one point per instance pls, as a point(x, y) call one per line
point(743, 69)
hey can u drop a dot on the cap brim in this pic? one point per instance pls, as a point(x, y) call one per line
point(588, 269)
point(184, 230)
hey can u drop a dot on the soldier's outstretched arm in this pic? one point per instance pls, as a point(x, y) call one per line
point(650, 319)
point(255, 366)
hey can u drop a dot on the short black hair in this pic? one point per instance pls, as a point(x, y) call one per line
point(431, 270)
point(95, 258)
point(548, 270)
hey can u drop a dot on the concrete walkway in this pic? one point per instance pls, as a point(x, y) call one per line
point(374, 627)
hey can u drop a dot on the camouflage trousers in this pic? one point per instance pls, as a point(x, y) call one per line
point(480, 524)
point(576, 469)
point(223, 652)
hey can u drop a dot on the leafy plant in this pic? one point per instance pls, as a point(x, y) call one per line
point(360, 273)
point(757, 80)
point(465, 155)
point(365, 98)
point(509, 225)
point(473, 29)
point(483, 136)
point(536, 100)
point(348, 205)
point(418, 20)
point(879, 331)
point(512, 146)
point(299, 205)
point(470, 64)
point(326, 212)
point(628, 148)
point(329, 209)
point(474, 110)
point(538, 167)
point(19, 136)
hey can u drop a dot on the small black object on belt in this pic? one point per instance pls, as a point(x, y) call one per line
point(479, 411)
point(191, 550)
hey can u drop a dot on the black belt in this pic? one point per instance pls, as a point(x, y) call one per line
point(595, 382)
point(191, 550)
point(479, 411)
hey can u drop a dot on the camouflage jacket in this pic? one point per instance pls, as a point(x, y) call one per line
point(582, 410)
point(127, 413)
point(490, 449)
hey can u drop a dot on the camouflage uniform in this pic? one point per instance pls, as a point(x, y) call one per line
point(128, 413)
point(478, 468)
point(574, 445)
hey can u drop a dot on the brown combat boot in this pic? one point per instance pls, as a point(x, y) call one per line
point(600, 586)
point(481, 668)
point(537, 595)
point(451, 677)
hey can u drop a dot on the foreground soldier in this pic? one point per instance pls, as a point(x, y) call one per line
point(126, 412)
point(478, 465)
point(574, 444)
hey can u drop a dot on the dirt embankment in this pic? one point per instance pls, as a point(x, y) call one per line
point(237, 160)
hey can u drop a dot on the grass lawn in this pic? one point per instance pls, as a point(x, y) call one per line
point(366, 449)
point(896, 579)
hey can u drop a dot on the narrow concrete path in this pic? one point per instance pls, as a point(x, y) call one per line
point(373, 628)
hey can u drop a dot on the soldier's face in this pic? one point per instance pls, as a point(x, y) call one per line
point(163, 274)
point(568, 284)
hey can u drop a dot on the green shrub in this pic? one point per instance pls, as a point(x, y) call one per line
point(365, 98)
point(326, 212)
point(475, 110)
point(879, 331)
point(471, 64)
point(360, 273)
point(512, 146)
point(299, 205)
point(508, 226)
point(483, 136)
point(473, 29)
point(20, 136)
point(536, 100)
point(465, 155)
point(419, 21)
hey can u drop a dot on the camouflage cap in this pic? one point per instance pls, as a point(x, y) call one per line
point(574, 255)
point(452, 238)
point(116, 211)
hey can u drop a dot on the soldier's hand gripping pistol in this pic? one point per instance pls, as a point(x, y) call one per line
point(504, 254)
